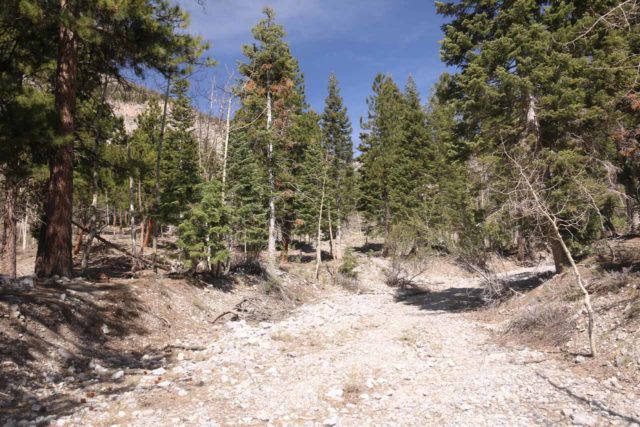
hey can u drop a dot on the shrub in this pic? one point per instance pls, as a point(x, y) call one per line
point(349, 265)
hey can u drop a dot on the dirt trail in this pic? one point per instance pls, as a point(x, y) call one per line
point(376, 358)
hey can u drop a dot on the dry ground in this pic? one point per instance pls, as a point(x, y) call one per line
point(380, 356)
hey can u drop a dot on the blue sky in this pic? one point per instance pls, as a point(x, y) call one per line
point(356, 39)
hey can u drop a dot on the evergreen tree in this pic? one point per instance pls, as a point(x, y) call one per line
point(87, 41)
point(336, 128)
point(529, 81)
point(205, 224)
point(313, 178)
point(247, 196)
point(382, 139)
point(273, 90)
point(179, 165)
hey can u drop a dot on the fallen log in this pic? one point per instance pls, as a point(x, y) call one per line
point(119, 249)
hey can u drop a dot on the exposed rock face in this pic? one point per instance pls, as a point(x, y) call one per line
point(129, 104)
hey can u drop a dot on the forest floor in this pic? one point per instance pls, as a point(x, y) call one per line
point(378, 356)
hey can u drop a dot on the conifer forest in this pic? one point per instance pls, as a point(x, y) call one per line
point(187, 241)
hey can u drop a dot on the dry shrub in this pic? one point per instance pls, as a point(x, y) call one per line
point(611, 281)
point(349, 283)
point(546, 324)
point(353, 387)
point(403, 271)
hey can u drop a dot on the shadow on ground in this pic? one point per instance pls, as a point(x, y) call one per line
point(51, 333)
point(459, 299)
point(592, 403)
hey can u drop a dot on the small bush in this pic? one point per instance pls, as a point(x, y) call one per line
point(349, 265)
point(550, 324)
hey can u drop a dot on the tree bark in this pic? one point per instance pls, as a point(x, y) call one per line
point(135, 265)
point(9, 234)
point(225, 152)
point(319, 235)
point(271, 247)
point(156, 208)
point(56, 242)
point(522, 246)
point(25, 229)
point(332, 245)
point(78, 246)
point(560, 259)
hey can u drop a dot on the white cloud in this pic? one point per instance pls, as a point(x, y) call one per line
point(228, 23)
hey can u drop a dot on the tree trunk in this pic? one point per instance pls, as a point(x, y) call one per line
point(156, 208)
point(227, 133)
point(143, 221)
point(332, 245)
point(9, 234)
point(522, 246)
point(93, 222)
point(271, 247)
point(560, 258)
point(78, 246)
point(147, 236)
point(25, 230)
point(319, 235)
point(135, 265)
point(56, 242)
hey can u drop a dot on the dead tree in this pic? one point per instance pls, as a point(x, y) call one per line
point(530, 197)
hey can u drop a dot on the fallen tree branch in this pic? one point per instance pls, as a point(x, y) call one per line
point(119, 249)
point(222, 315)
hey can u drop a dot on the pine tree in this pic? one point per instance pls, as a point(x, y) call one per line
point(529, 81)
point(87, 42)
point(202, 231)
point(273, 90)
point(336, 128)
point(247, 196)
point(381, 141)
point(312, 179)
point(179, 164)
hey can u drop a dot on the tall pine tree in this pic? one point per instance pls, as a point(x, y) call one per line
point(336, 128)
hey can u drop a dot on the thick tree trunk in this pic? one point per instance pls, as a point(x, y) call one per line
point(56, 242)
point(9, 235)
point(560, 258)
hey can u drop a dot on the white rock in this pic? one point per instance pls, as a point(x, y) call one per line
point(330, 422)
point(272, 371)
point(117, 375)
point(335, 393)
point(64, 353)
point(164, 384)
point(180, 356)
point(583, 419)
point(158, 372)
point(105, 329)
point(101, 370)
